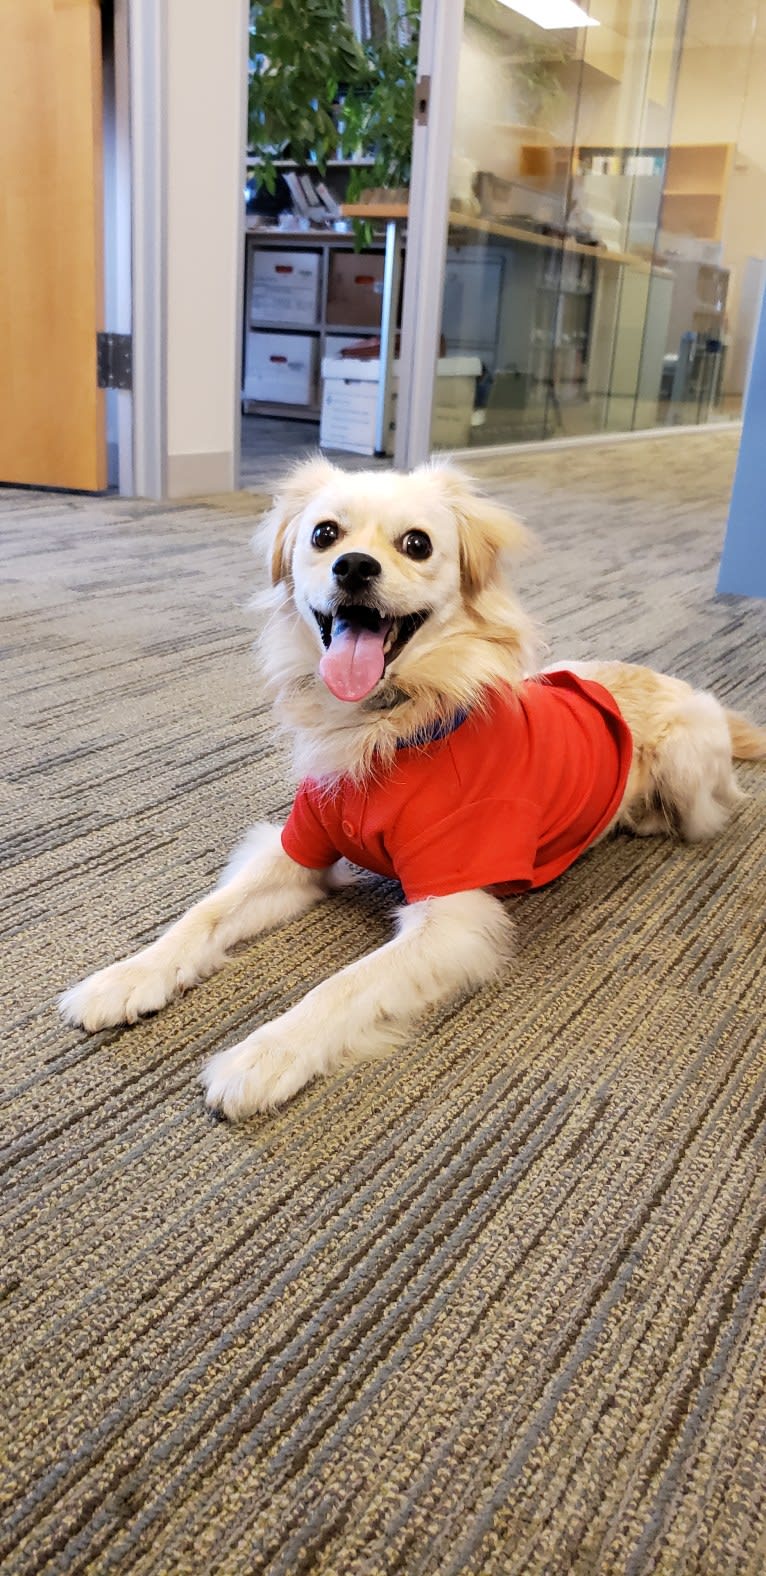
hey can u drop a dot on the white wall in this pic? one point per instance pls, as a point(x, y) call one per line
point(206, 95)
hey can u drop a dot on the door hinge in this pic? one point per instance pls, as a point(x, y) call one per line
point(114, 361)
point(422, 100)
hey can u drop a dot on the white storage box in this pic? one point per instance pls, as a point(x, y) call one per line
point(284, 287)
point(349, 401)
point(280, 367)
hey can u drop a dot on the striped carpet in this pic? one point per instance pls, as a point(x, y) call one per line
point(495, 1306)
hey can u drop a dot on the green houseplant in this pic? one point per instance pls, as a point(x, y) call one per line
point(315, 91)
point(301, 54)
point(378, 107)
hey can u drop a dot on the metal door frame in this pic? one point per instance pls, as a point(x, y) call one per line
point(441, 33)
point(118, 229)
point(147, 68)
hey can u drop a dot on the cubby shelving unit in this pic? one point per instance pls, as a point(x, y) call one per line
point(326, 244)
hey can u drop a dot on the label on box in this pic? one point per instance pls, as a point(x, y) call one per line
point(280, 367)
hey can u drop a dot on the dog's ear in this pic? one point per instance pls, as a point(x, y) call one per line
point(290, 498)
point(485, 529)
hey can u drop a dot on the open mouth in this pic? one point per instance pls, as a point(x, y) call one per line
point(359, 643)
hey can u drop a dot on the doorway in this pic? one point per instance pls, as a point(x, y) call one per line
point(323, 265)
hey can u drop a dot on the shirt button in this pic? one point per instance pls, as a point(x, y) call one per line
point(348, 828)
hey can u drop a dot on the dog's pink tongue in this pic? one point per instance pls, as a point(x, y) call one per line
point(355, 661)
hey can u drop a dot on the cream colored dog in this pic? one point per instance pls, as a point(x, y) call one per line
point(389, 624)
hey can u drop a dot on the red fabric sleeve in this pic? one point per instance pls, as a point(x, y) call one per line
point(490, 843)
point(304, 837)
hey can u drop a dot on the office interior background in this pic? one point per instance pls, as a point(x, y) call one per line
point(604, 260)
point(493, 1304)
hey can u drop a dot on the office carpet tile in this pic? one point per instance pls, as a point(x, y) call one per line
point(494, 1306)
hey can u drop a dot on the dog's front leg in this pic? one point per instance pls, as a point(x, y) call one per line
point(443, 945)
point(260, 888)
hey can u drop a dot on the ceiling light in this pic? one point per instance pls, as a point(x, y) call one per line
point(552, 13)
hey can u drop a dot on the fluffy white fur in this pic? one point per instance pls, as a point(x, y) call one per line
point(474, 638)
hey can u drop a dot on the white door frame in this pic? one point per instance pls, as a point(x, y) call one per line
point(161, 348)
point(118, 262)
point(441, 33)
point(147, 68)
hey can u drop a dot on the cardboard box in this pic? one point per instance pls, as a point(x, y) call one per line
point(349, 402)
point(284, 287)
point(355, 289)
point(335, 343)
point(280, 367)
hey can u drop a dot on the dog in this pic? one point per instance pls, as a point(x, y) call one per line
point(399, 659)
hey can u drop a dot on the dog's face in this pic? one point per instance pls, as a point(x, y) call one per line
point(381, 564)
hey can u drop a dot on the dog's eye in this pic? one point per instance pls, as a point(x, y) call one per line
point(324, 534)
point(417, 545)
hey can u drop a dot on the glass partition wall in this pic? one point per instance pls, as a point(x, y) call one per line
point(607, 221)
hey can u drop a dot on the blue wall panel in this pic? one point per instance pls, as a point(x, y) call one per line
point(743, 564)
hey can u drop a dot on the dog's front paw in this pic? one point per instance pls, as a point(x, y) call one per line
point(123, 992)
point(259, 1073)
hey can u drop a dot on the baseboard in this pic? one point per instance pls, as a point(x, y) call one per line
point(589, 439)
point(194, 475)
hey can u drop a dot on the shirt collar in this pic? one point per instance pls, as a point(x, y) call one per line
point(432, 732)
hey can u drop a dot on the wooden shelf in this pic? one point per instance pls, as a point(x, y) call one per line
point(696, 176)
point(511, 232)
point(374, 210)
point(552, 242)
point(313, 240)
point(276, 326)
point(697, 179)
point(254, 163)
point(580, 151)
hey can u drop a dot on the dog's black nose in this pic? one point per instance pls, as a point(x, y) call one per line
point(353, 571)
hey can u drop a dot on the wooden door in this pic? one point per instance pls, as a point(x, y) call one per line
point(52, 414)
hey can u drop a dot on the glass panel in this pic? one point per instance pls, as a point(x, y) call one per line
point(596, 253)
point(622, 184)
point(713, 234)
point(517, 303)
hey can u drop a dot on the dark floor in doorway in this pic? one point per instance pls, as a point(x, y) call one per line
point(272, 443)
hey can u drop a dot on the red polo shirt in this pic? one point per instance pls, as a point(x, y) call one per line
point(509, 799)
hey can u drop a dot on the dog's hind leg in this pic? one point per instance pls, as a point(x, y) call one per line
point(443, 945)
point(696, 769)
point(260, 888)
point(689, 788)
point(681, 779)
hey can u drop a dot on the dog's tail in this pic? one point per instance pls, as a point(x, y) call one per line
point(748, 742)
